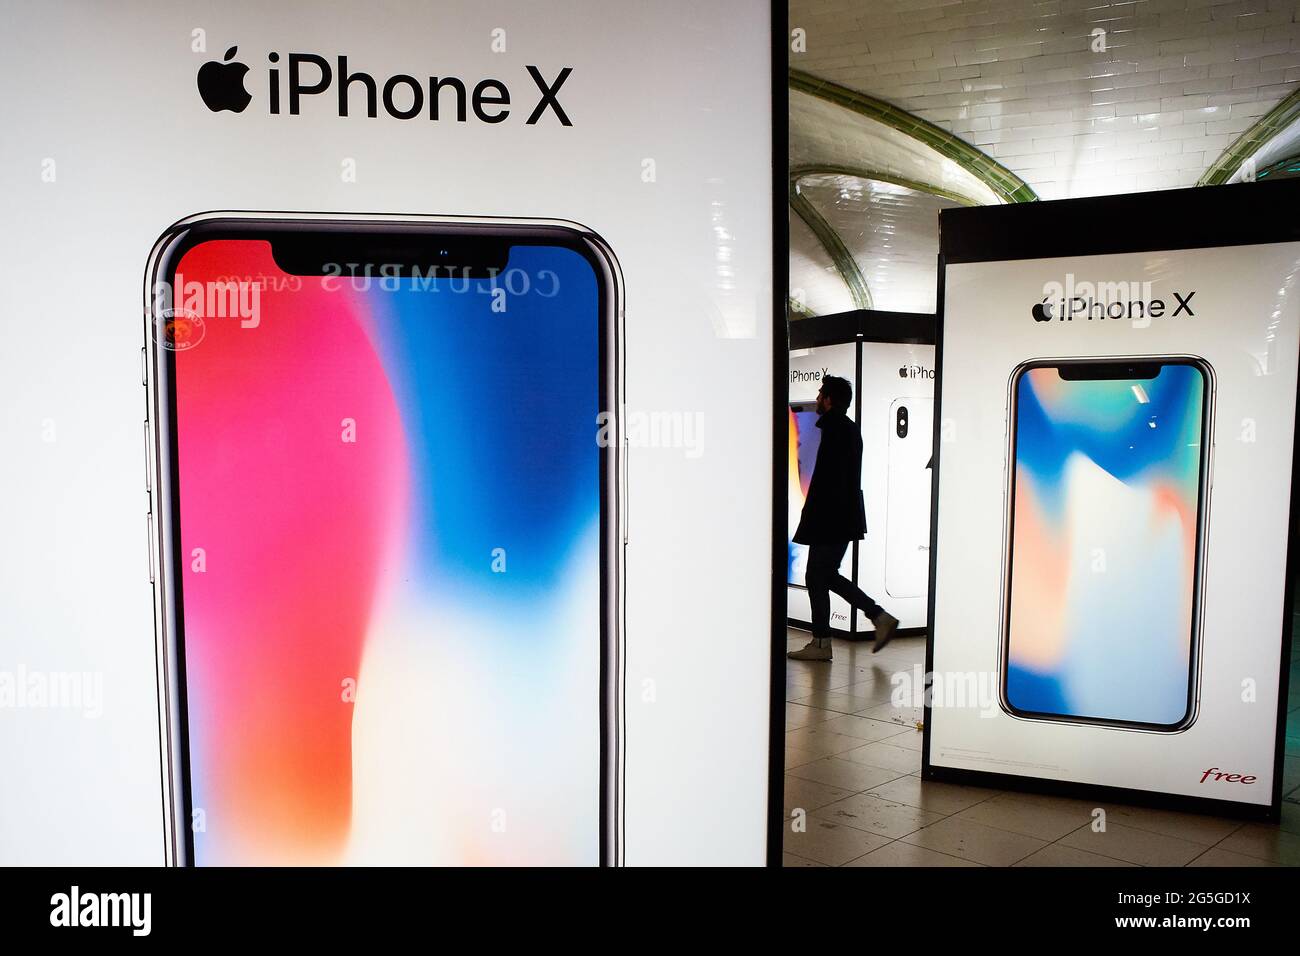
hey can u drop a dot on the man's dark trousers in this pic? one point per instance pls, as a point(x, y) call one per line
point(822, 577)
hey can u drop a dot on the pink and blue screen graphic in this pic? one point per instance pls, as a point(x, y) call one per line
point(390, 569)
point(804, 442)
point(1105, 545)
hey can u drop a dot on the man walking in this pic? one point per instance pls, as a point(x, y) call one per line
point(833, 515)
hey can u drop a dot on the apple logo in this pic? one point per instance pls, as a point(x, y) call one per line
point(902, 372)
point(1042, 312)
point(221, 84)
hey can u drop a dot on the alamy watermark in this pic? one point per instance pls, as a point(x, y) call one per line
point(24, 689)
point(1098, 302)
point(977, 690)
point(681, 430)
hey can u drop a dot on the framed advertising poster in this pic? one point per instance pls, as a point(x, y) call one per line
point(1114, 518)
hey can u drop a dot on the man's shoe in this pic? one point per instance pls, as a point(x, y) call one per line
point(814, 650)
point(886, 625)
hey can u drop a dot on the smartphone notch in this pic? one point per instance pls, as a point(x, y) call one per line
point(348, 255)
point(1104, 371)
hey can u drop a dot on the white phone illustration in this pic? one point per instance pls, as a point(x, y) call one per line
point(907, 517)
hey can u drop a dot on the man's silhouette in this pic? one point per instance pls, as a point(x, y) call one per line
point(833, 515)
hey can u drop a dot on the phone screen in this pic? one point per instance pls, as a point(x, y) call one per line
point(1107, 476)
point(804, 441)
point(388, 499)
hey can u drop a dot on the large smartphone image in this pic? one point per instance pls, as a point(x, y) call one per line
point(387, 512)
point(1107, 504)
point(805, 439)
point(907, 512)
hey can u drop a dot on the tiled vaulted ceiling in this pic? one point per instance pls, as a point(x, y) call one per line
point(1063, 97)
point(1148, 103)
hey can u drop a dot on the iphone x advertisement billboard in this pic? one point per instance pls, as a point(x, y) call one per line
point(372, 373)
point(1115, 612)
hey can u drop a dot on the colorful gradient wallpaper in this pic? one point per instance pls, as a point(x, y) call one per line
point(391, 580)
point(804, 441)
point(1104, 545)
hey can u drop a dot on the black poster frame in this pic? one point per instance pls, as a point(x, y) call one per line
point(780, 210)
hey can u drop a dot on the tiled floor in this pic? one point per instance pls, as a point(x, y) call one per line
point(853, 764)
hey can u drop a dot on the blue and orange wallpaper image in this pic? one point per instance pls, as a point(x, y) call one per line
point(804, 441)
point(1105, 544)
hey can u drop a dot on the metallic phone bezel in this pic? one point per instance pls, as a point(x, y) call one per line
point(1205, 486)
point(174, 758)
